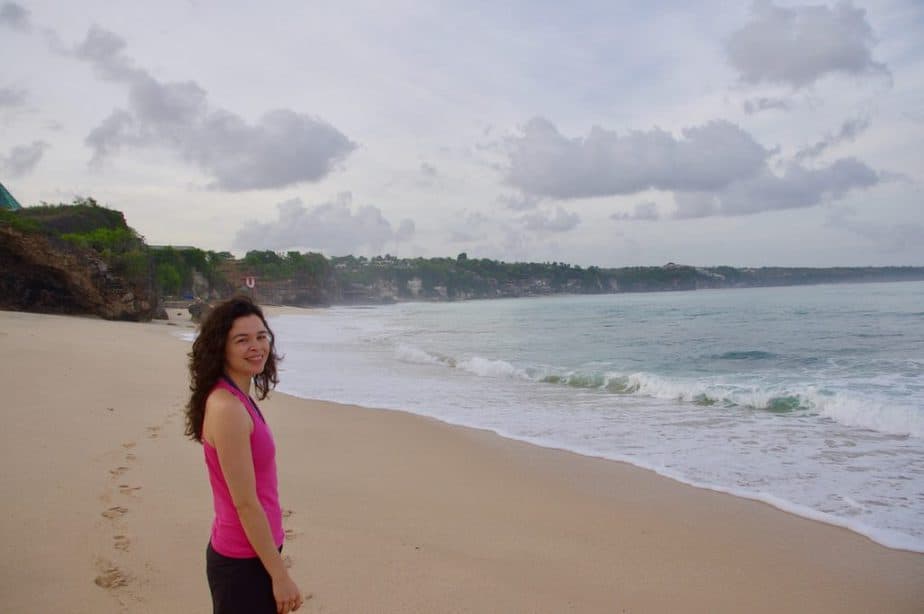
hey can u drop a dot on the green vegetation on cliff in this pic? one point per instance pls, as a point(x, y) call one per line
point(292, 264)
point(87, 225)
point(83, 215)
point(311, 278)
point(78, 258)
point(188, 271)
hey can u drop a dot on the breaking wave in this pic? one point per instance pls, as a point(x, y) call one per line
point(891, 418)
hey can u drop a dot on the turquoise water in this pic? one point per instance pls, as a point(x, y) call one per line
point(808, 398)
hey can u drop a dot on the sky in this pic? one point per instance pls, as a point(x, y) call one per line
point(595, 133)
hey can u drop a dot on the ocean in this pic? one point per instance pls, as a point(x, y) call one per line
point(810, 399)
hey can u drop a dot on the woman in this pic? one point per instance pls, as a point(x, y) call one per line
point(244, 564)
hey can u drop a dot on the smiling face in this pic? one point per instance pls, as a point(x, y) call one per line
point(247, 347)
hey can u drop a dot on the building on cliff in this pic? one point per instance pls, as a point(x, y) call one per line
point(7, 202)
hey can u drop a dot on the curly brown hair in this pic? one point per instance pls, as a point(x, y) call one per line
point(207, 359)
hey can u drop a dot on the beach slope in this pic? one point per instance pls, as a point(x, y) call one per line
point(107, 508)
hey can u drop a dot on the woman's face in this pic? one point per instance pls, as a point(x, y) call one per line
point(247, 346)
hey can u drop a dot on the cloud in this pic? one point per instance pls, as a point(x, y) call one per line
point(23, 158)
point(646, 211)
point(756, 105)
point(890, 238)
point(282, 148)
point(470, 226)
point(115, 131)
point(798, 45)
point(332, 227)
point(560, 221)
point(518, 202)
point(458, 236)
point(798, 187)
point(406, 230)
point(15, 17)
point(849, 131)
point(10, 97)
point(714, 169)
point(543, 162)
point(428, 175)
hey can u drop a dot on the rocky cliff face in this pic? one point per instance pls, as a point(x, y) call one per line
point(39, 275)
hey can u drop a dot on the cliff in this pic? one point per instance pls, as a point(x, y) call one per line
point(40, 273)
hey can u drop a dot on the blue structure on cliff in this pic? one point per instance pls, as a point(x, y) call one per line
point(7, 202)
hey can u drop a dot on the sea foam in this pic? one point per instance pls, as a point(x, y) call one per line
point(765, 393)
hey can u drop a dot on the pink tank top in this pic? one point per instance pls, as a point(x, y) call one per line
point(228, 537)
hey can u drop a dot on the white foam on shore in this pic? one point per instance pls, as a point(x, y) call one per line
point(885, 418)
point(886, 537)
point(816, 460)
point(892, 418)
point(411, 354)
point(486, 367)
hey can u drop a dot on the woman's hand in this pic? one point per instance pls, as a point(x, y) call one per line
point(288, 597)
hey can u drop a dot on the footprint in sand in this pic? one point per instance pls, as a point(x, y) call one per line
point(153, 432)
point(287, 561)
point(130, 457)
point(114, 512)
point(110, 576)
point(127, 489)
point(128, 445)
point(121, 542)
point(291, 534)
point(118, 471)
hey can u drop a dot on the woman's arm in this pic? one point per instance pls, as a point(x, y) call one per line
point(229, 427)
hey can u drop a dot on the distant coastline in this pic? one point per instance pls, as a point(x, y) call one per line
point(82, 258)
point(387, 279)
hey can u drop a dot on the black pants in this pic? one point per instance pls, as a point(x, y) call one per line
point(239, 586)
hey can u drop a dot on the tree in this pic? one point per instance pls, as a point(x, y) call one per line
point(168, 278)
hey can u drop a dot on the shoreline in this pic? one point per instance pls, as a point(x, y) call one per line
point(892, 540)
point(894, 527)
point(426, 515)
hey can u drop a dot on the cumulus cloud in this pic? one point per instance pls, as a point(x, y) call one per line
point(543, 162)
point(645, 211)
point(756, 105)
point(15, 16)
point(333, 227)
point(798, 45)
point(282, 148)
point(23, 158)
point(849, 131)
point(798, 187)
point(714, 169)
point(559, 221)
point(10, 97)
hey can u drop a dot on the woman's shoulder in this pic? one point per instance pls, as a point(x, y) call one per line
point(224, 412)
point(222, 405)
point(221, 400)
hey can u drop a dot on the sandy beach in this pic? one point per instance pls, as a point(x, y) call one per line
point(107, 506)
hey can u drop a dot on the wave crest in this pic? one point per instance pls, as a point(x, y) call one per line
point(843, 408)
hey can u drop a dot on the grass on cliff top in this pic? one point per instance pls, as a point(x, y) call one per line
point(84, 215)
point(18, 222)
